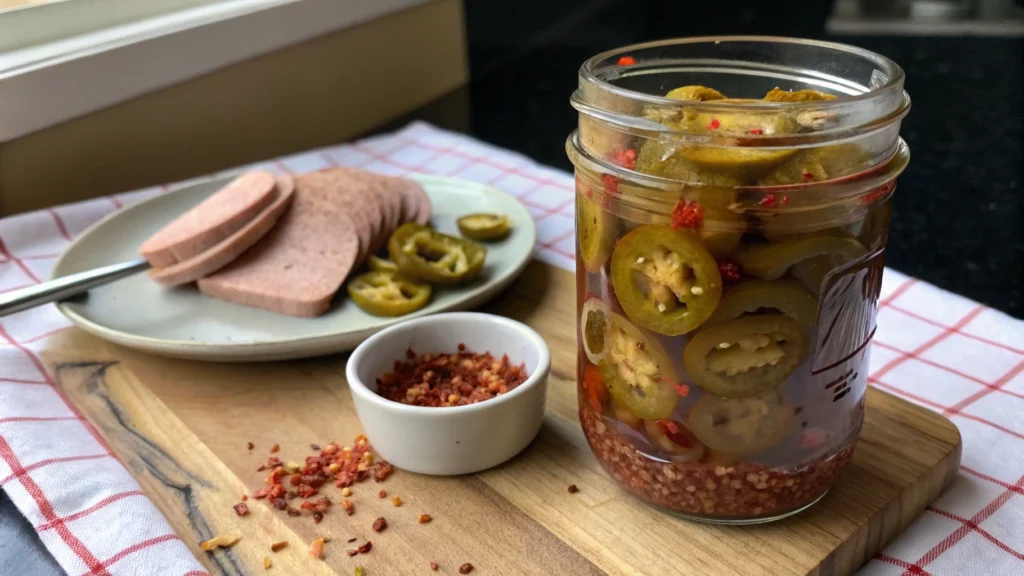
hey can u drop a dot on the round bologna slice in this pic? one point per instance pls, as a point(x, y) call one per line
point(348, 192)
point(231, 247)
point(212, 220)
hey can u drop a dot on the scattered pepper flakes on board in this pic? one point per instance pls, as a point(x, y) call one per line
point(433, 566)
point(276, 546)
point(396, 501)
point(241, 509)
point(346, 492)
point(316, 549)
point(465, 568)
point(222, 541)
point(250, 445)
point(424, 518)
point(382, 494)
point(266, 563)
point(573, 489)
point(379, 524)
point(275, 448)
point(365, 548)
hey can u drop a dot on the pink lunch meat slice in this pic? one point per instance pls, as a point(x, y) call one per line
point(299, 266)
point(231, 247)
point(351, 199)
point(213, 220)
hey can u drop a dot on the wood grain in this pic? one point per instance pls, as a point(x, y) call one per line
point(182, 430)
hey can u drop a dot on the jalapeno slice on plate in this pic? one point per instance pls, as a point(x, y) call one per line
point(637, 371)
point(665, 279)
point(596, 233)
point(675, 438)
point(745, 356)
point(484, 227)
point(594, 323)
point(424, 253)
point(749, 296)
point(383, 293)
point(381, 264)
point(771, 261)
point(741, 426)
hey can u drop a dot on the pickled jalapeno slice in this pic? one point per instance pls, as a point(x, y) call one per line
point(595, 231)
point(695, 93)
point(384, 293)
point(484, 227)
point(381, 264)
point(665, 279)
point(637, 371)
point(594, 323)
point(745, 356)
point(421, 252)
point(595, 389)
point(741, 426)
point(785, 295)
point(674, 437)
point(771, 261)
point(779, 95)
point(626, 416)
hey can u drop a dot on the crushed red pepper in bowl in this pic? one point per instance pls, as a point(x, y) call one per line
point(443, 380)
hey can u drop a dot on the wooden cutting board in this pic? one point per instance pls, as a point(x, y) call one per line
point(182, 428)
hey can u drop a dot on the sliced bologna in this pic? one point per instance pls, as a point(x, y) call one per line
point(361, 208)
point(213, 220)
point(231, 247)
point(299, 266)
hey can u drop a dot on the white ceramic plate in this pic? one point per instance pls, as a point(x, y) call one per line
point(181, 322)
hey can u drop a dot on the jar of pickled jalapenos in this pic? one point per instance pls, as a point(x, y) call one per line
point(732, 206)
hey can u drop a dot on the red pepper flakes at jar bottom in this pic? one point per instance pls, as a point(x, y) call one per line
point(442, 380)
point(687, 214)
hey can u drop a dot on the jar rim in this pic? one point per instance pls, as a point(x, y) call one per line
point(895, 76)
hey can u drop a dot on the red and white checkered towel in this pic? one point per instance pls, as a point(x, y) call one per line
point(932, 347)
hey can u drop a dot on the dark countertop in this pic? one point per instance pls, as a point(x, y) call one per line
point(959, 217)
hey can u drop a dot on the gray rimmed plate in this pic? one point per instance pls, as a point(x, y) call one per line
point(183, 323)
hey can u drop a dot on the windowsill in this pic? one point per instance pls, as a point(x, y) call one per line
point(57, 81)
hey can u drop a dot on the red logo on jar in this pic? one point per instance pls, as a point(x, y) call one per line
point(846, 315)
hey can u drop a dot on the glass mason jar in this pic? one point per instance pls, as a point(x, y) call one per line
point(733, 198)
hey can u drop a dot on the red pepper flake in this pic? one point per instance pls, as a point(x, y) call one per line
point(433, 566)
point(672, 431)
point(366, 547)
point(808, 176)
point(261, 493)
point(241, 509)
point(277, 546)
point(755, 131)
point(656, 378)
point(347, 505)
point(768, 200)
point(627, 61)
point(424, 518)
point(314, 447)
point(729, 271)
point(250, 445)
point(244, 497)
point(382, 470)
point(274, 448)
point(316, 549)
point(611, 184)
point(351, 552)
point(318, 516)
point(279, 503)
point(382, 494)
point(573, 489)
point(625, 158)
point(683, 390)
point(379, 524)
point(465, 568)
point(687, 214)
point(715, 124)
point(293, 511)
point(440, 380)
point(785, 200)
point(351, 540)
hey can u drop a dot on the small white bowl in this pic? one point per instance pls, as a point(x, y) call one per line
point(459, 439)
